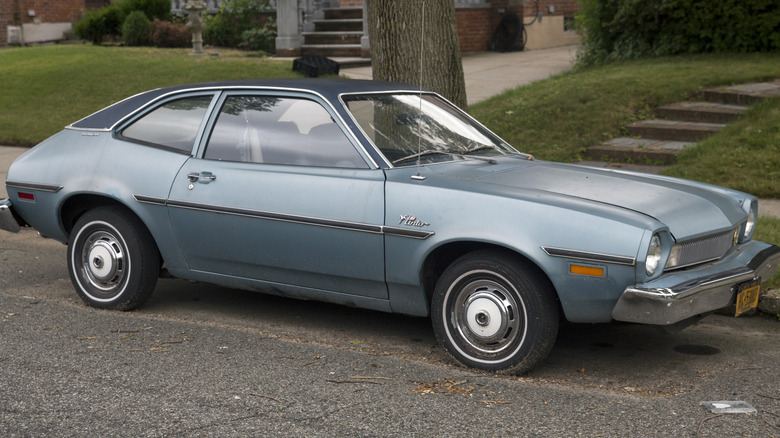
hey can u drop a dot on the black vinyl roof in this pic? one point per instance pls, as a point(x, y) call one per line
point(328, 88)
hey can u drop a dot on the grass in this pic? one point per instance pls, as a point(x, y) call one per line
point(745, 156)
point(768, 230)
point(558, 118)
point(46, 88)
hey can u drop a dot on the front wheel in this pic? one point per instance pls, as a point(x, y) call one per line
point(494, 312)
point(112, 259)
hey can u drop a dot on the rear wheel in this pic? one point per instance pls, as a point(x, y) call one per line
point(112, 259)
point(494, 312)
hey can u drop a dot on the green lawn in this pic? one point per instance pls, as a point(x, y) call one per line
point(768, 230)
point(558, 118)
point(46, 88)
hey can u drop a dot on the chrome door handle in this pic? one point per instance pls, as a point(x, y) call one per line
point(203, 175)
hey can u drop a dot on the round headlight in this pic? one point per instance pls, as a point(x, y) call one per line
point(750, 224)
point(653, 258)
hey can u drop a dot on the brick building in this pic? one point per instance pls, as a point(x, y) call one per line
point(546, 23)
point(39, 21)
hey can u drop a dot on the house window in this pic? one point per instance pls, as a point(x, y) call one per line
point(569, 23)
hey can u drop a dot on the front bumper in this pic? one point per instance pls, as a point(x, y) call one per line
point(681, 295)
point(8, 221)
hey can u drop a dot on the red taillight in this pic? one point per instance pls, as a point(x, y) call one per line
point(27, 196)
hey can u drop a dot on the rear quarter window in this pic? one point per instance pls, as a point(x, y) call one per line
point(173, 125)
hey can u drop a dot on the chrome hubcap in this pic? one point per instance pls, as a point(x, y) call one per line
point(487, 317)
point(104, 261)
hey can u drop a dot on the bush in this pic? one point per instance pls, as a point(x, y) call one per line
point(97, 25)
point(167, 34)
point(160, 9)
point(260, 38)
point(235, 17)
point(627, 29)
point(137, 29)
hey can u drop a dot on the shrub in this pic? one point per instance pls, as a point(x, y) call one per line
point(168, 34)
point(626, 29)
point(260, 38)
point(152, 8)
point(137, 29)
point(96, 25)
point(235, 17)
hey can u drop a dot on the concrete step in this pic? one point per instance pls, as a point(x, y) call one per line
point(331, 50)
point(657, 141)
point(707, 112)
point(319, 38)
point(340, 25)
point(642, 151)
point(673, 129)
point(343, 13)
point(743, 94)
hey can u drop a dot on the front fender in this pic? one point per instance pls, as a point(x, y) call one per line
point(523, 223)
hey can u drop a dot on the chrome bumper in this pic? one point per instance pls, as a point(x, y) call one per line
point(7, 220)
point(681, 295)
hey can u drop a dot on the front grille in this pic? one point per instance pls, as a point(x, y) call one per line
point(704, 249)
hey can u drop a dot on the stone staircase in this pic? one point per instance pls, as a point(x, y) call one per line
point(338, 34)
point(679, 125)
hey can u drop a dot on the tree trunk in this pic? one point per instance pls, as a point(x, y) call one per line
point(396, 32)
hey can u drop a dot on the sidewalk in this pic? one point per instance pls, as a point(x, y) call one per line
point(491, 73)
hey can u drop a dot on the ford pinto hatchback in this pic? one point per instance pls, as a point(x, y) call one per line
point(381, 196)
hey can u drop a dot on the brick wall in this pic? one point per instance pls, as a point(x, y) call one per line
point(474, 29)
point(52, 11)
point(6, 18)
point(46, 12)
point(561, 7)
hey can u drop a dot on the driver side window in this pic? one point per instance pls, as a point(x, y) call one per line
point(280, 130)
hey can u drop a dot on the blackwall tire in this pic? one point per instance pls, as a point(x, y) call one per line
point(112, 259)
point(494, 312)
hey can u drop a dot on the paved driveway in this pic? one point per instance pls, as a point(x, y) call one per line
point(204, 360)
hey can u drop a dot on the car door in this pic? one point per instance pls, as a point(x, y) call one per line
point(279, 194)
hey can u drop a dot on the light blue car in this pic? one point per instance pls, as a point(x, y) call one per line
point(380, 196)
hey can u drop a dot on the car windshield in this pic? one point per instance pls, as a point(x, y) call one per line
point(411, 127)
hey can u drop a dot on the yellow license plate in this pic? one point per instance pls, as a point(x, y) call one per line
point(747, 297)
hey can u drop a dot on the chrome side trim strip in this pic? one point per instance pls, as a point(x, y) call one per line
point(403, 232)
point(150, 200)
point(41, 187)
point(342, 225)
point(278, 217)
point(589, 256)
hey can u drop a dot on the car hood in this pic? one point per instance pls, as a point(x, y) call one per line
point(688, 208)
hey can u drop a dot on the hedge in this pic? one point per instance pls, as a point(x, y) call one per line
point(627, 29)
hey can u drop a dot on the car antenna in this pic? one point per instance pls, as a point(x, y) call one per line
point(419, 138)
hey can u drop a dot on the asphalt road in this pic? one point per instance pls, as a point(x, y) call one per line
point(199, 360)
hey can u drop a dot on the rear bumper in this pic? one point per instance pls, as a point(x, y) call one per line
point(681, 295)
point(8, 221)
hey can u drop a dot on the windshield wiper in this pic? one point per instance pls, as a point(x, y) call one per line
point(478, 149)
point(421, 154)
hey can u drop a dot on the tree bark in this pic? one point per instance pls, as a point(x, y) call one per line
point(397, 32)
